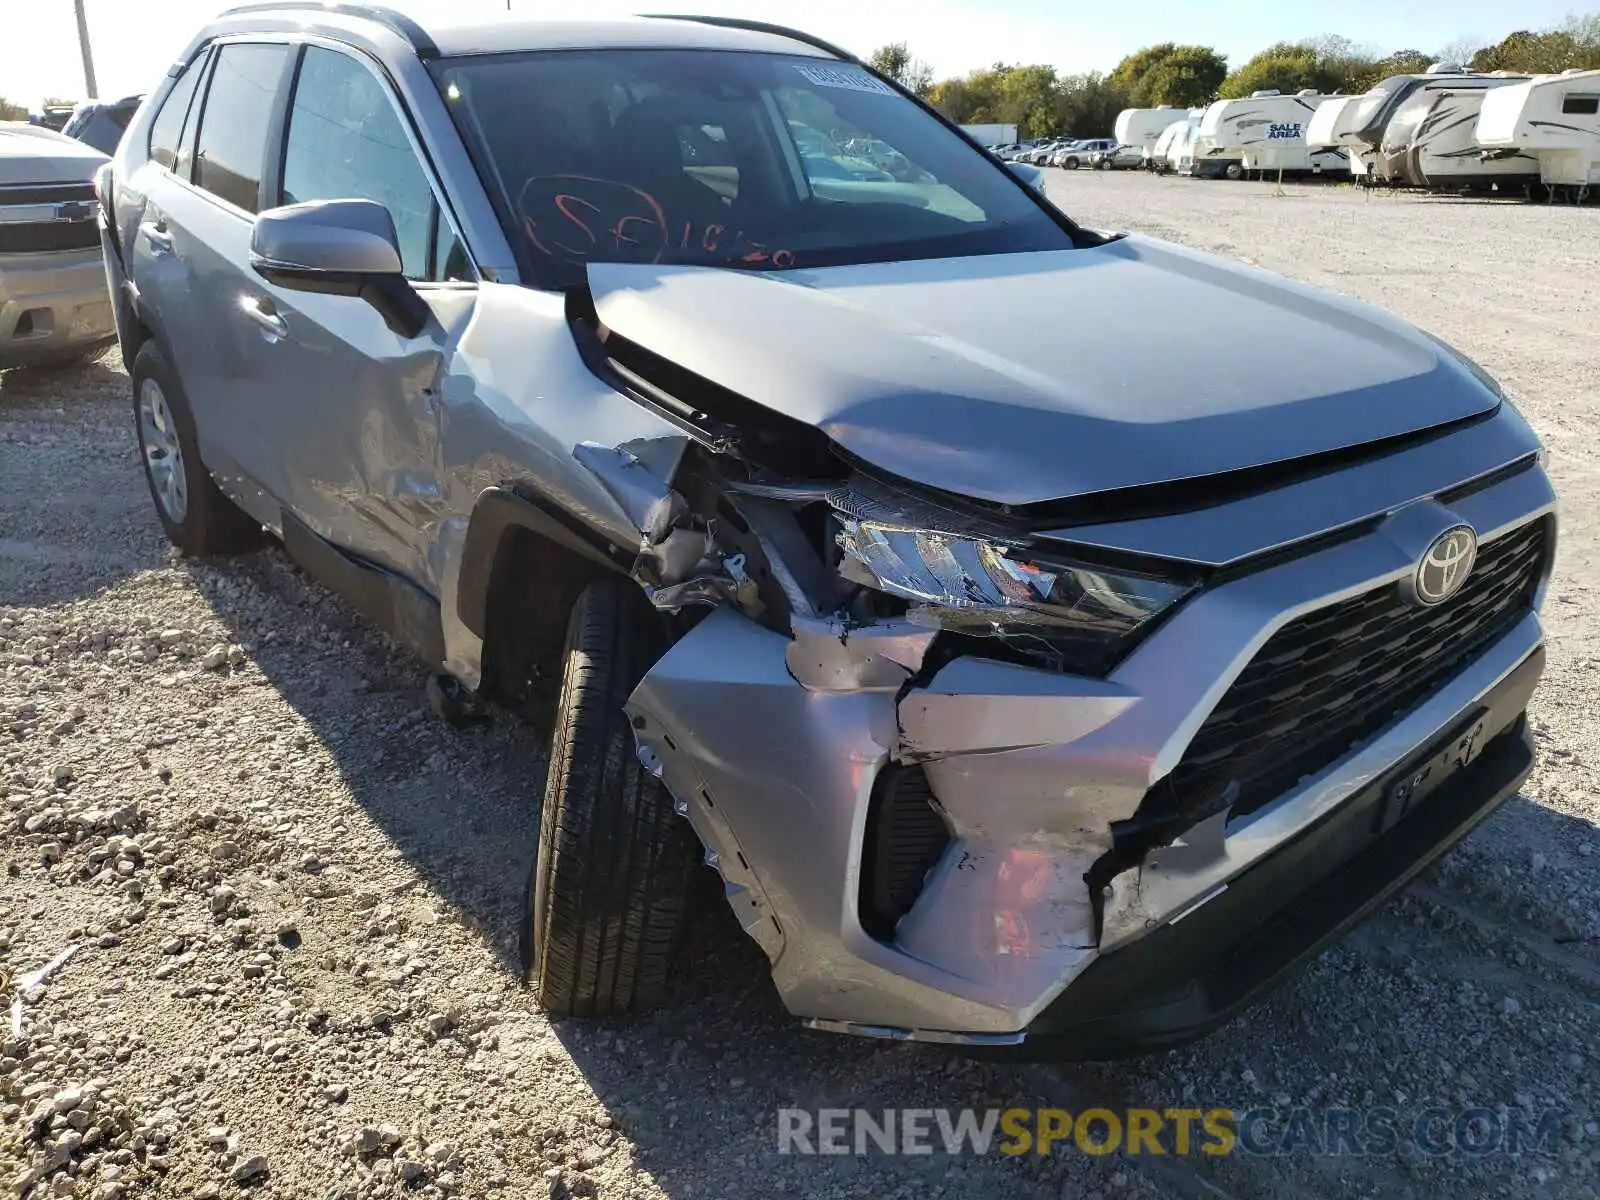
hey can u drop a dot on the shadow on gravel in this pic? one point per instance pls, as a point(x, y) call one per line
point(27, 386)
point(459, 806)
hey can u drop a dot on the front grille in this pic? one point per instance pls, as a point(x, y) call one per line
point(45, 193)
point(21, 230)
point(35, 237)
point(1334, 677)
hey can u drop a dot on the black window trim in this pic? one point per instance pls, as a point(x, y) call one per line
point(202, 63)
point(278, 147)
point(246, 39)
point(1591, 99)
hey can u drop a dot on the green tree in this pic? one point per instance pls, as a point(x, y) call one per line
point(1187, 78)
point(1543, 53)
point(12, 112)
point(1285, 67)
point(1028, 98)
point(1087, 105)
point(1127, 73)
point(897, 62)
point(1401, 62)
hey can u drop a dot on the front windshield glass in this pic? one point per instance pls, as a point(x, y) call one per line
point(718, 158)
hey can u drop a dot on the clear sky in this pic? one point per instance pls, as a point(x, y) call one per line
point(134, 40)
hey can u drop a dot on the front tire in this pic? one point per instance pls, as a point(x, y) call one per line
point(198, 519)
point(1071, 164)
point(609, 888)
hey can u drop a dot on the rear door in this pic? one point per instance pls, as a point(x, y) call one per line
point(196, 234)
point(353, 406)
point(157, 253)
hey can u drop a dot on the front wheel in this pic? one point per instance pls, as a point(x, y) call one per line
point(1071, 164)
point(197, 517)
point(609, 887)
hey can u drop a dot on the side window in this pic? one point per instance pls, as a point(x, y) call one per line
point(167, 128)
point(234, 121)
point(449, 264)
point(346, 143)
point(1581, 105)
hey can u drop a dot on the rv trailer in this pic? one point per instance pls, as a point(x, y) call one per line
point(1174, 150)
point(1142, 126)
point(1330, 129)
point(1360, 126)
point(1553, 118)
point(1264, 132)
point(1431, 142)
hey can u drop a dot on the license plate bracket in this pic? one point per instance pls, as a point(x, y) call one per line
point(1408, 788)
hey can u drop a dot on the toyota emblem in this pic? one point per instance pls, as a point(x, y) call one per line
point(1446, 564)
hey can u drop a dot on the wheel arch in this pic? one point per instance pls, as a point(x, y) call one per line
point(523, 562)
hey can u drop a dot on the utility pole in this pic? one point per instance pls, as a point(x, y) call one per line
point(88, 55)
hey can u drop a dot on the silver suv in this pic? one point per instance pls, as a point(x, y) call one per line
point(1009, 705)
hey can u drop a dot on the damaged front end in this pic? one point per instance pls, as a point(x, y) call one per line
point(881, 718)
point(947, 762)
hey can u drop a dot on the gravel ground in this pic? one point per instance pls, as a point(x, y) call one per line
point(292, 893)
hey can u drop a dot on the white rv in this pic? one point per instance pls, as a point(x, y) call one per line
point(1265, 132)
point(1359, 126)
point(1431, 142)
point(1553, 118)
point(1156, 158)
point(1173, 152)
point(1142, 126)
point(1330, 129)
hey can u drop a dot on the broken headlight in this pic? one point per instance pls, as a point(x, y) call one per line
point(1077, 617)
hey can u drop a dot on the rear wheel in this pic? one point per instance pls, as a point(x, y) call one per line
point(609, 888)
point(197, 517)
point(1234, 171)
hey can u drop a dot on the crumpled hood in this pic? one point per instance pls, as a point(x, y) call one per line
point(1030, 377)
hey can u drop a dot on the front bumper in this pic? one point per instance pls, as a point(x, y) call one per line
point(52, 305)
point(1185, 979)
point(1029, 771)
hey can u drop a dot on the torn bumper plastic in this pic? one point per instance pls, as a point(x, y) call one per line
point(772, 746)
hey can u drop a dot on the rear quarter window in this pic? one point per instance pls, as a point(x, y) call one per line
point(167, 128)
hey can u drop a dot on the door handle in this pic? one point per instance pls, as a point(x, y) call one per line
point(155, 232)
point(265, 314)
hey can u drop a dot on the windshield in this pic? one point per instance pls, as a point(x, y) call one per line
point(718, 158)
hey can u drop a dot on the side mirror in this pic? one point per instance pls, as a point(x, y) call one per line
point(1029, 174)
point(339, 248)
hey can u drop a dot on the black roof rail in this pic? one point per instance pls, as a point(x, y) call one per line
point(398, 22)
point(794, 35)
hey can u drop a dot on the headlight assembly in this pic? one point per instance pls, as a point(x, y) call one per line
point(1080, 617)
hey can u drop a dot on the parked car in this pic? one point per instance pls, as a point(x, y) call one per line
point(53, 303)
point(1076, 155)
point(101, 123)
point(51, 116)
point(1006, 709)
point(1040, 155)
point(1118, 158)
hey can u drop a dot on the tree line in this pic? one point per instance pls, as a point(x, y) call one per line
point(1041, 102)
